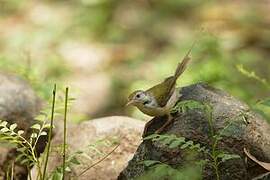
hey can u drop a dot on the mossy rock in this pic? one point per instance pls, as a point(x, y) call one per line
point(232, 119)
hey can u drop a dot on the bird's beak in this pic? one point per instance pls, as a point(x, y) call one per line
point(130, 102)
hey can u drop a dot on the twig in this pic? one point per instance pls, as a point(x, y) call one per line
point(99, 161)
point(29, 172)
point(65, 134)
point(12, 171)
point(50, 134)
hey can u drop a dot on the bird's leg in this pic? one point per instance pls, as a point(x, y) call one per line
point(170, 104)
point(167, 123)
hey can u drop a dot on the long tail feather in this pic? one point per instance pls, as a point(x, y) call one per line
point(183, 64)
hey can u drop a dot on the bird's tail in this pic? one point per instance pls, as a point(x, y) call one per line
point(183, 64)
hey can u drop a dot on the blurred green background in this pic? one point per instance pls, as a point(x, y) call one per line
point(104, 49)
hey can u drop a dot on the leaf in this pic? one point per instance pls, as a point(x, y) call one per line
point(184, 146)
point(33, 135)
point(86, 156)
point(225, 157)
point(25, 161)
point(20, 132)
point(188, 143)
point(95, 150)
point(151, 136)
point(57, 176)
point(36, 126)
point(68, 169)
point(179, 141)
point(47, 126)
point(21, 149)
point(203, 149)
point(3, 124)
point(196, 146)
point(41, 117)
point(74, 160)
point(174, 144)
point(4, 130)
point(263, 164)
point(160, 138)
point(43, 133)
point(13, 126)
point(168, 140)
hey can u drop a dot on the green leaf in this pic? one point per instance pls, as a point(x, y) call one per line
point(41, 117)
point(160, 138)
point(36, 126)
point(225, 157)
point(3, 124)
point(152, 136)
point(57, 176)
point(174, 144)
point(33, 135)
point(43, 133)
point(196, 146)
point(13, 126)
point(169, 139)
point(47, 126)
point(184, 146)
point(19, 157)
point(25, 161)
point(21, 149)
point(20, 132)
point(68, 169)
point(179, 141)
point(4, 130)
point(74, 160)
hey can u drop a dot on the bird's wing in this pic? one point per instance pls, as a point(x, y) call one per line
point(162, 91)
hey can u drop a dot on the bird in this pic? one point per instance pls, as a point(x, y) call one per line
point(161, 98)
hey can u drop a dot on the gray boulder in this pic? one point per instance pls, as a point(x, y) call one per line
point(233, 127)
point(18, 104)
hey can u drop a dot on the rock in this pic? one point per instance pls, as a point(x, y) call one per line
point(18, 104)
point(233, 120)
point(126, 131)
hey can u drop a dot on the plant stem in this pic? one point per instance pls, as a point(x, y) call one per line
point(216, 168)
point(215, 139)
point(29, 173)
point(65, 134)
point(12, 171)
point(50, 134)
point(99, 161)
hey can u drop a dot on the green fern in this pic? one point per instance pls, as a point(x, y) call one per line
point(171, 141)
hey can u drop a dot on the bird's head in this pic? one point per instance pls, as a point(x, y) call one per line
point(138, 97)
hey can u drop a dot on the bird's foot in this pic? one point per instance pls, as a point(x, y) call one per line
point(167, 123)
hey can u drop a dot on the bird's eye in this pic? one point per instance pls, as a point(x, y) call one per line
point(138, 96)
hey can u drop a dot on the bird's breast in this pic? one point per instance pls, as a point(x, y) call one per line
point(152, 111)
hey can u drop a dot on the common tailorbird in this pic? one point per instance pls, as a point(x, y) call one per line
point(161, 98)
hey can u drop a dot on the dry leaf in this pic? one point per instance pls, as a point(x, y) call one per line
point(263, 164)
